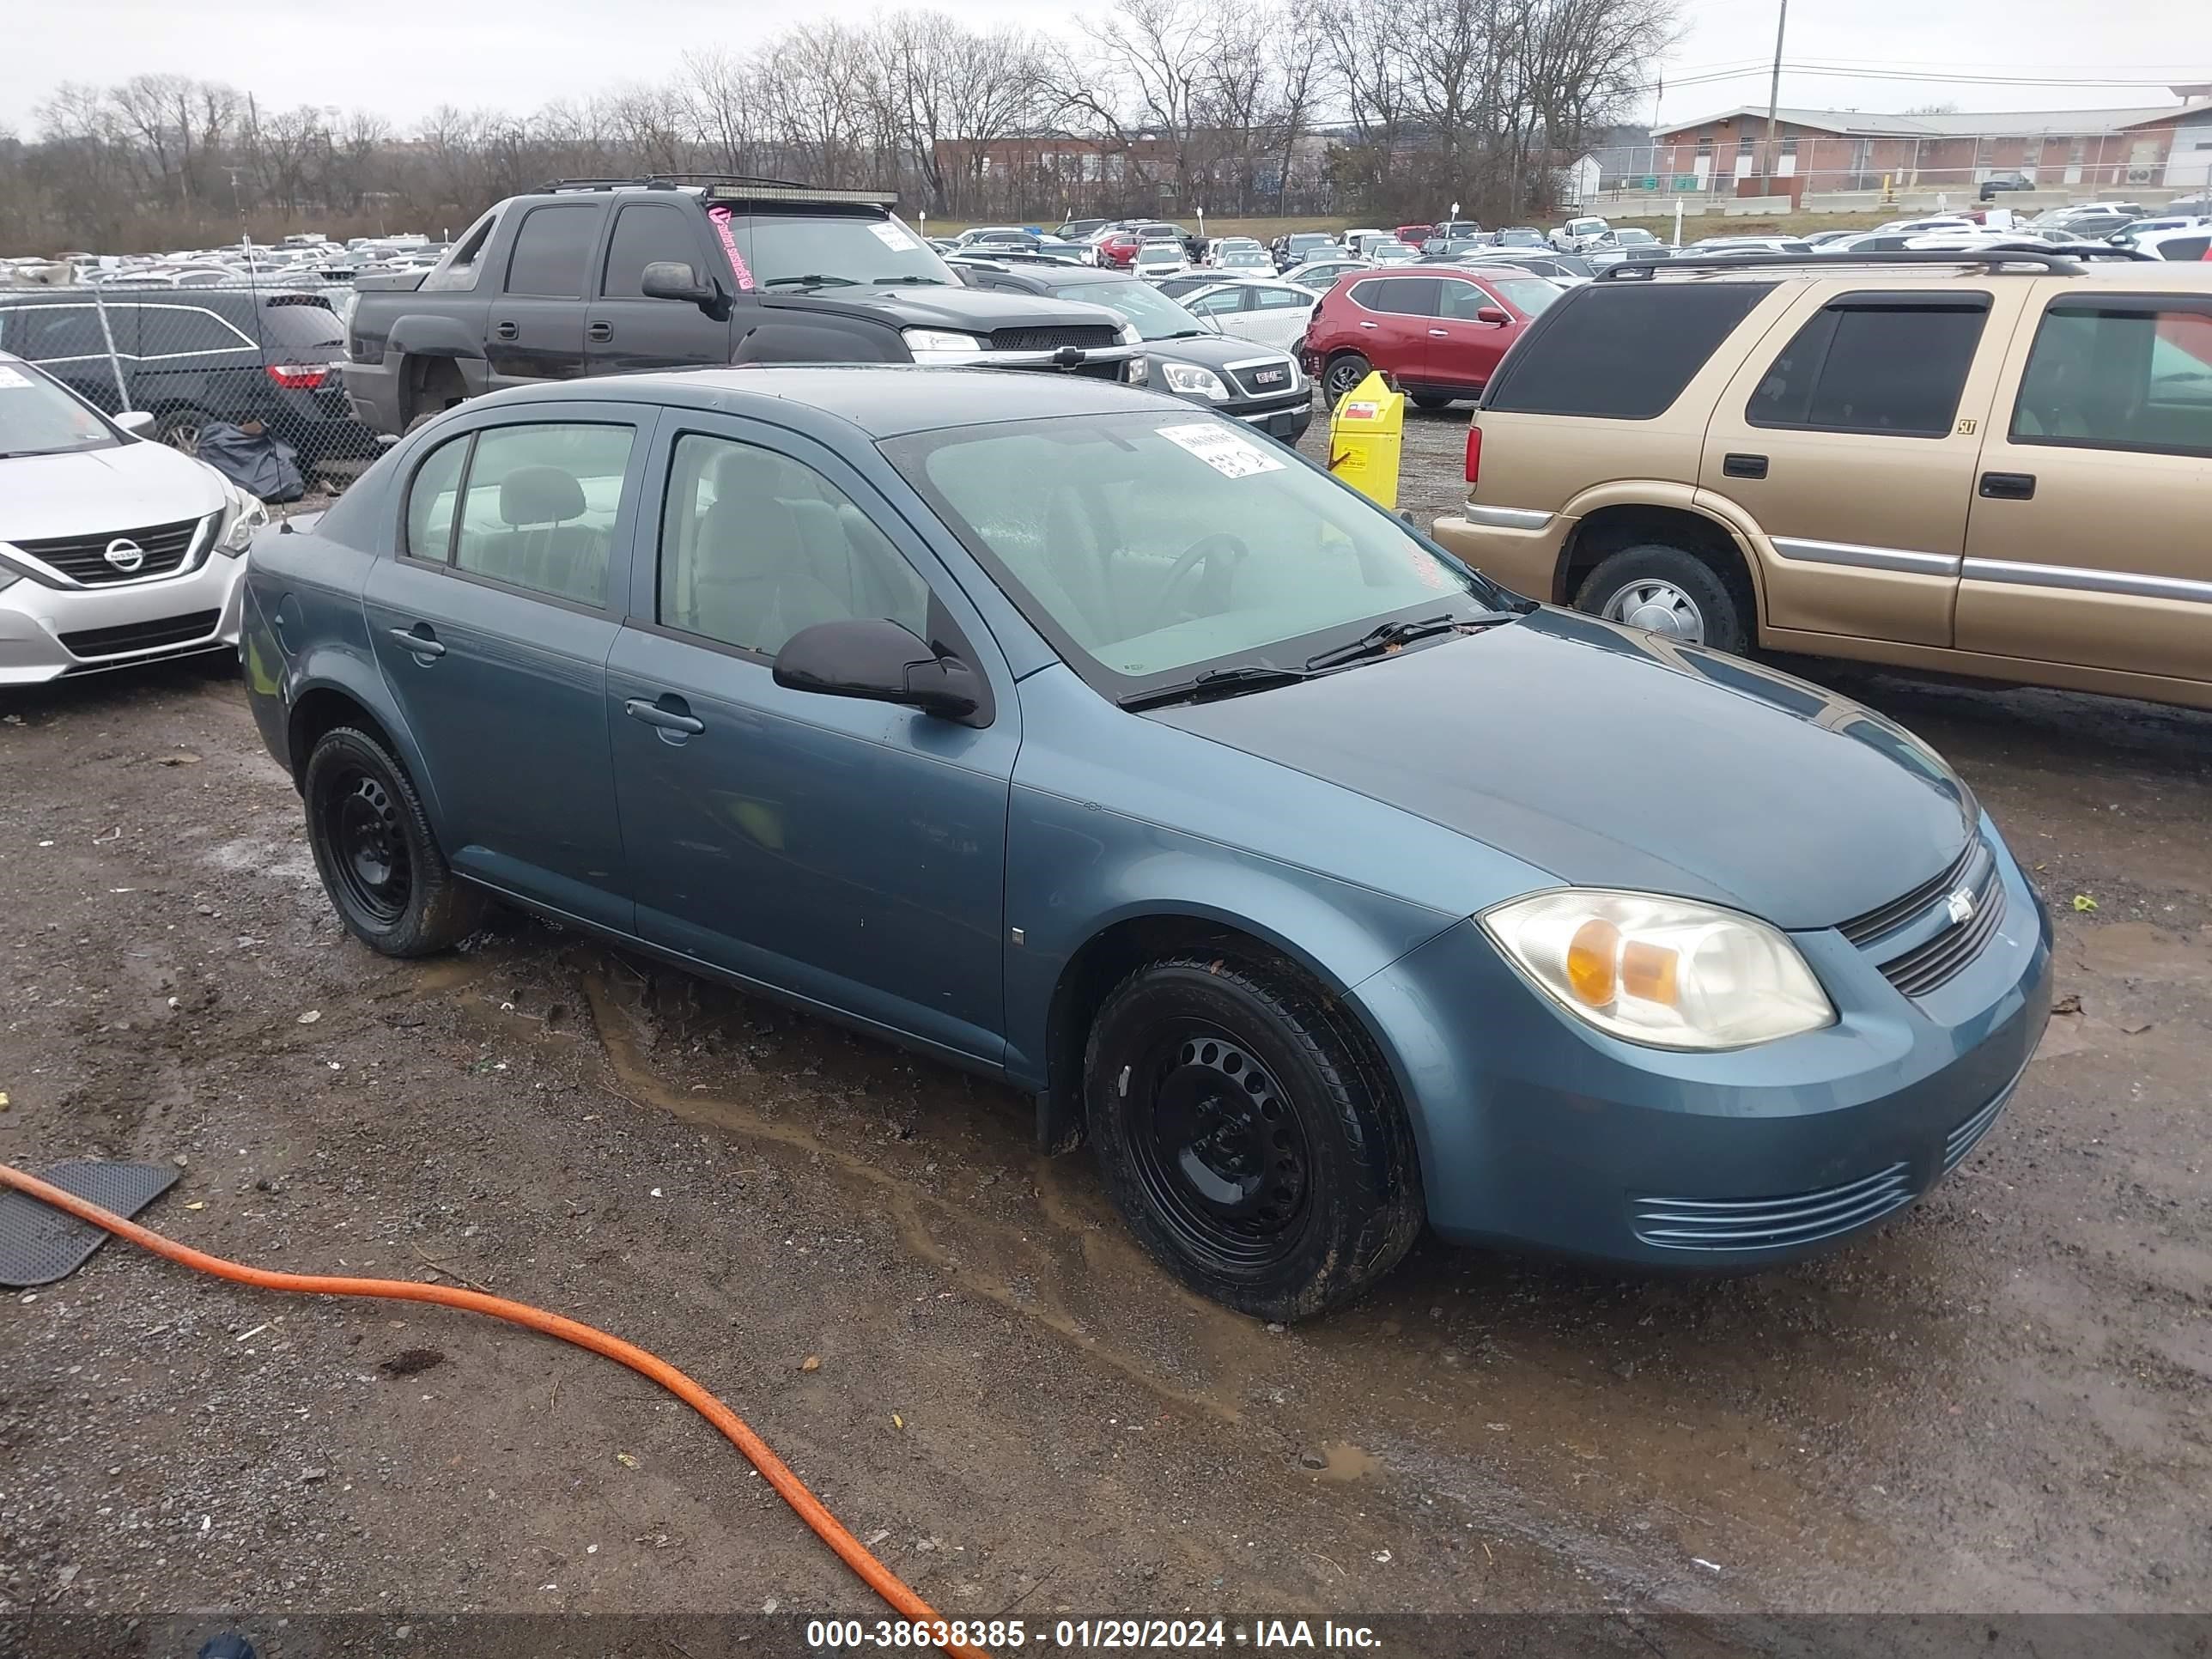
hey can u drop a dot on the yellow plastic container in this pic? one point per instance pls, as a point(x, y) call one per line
point(1365, 433)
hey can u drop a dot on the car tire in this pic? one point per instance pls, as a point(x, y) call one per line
point(1344, 371)
point(1671, 592)
point(1430, 400)
point(1250, 1136)
point(374, 849)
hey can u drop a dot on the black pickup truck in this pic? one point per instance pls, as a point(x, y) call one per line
point(609, 277)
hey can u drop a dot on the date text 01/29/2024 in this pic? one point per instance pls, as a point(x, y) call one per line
point(1148, 1635)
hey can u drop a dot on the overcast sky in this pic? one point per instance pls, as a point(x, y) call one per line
point(403, 57)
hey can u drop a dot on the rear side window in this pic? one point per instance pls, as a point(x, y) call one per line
point(2120, 373)
point(1856, 368)
point(644, 234)
point(551, 250)
point(2185, 247)
point(457, 270)
point(1620, 352)
point(185, 331)
point(538, 507)
point(49, 334)
point(1401, 296)
point(430, 500)
point(306, 327)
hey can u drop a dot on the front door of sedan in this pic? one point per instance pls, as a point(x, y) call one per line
point(2089, 535)
point(492, 624)
point(850, 853)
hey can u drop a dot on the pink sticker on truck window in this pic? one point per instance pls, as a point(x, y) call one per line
point(721, 215)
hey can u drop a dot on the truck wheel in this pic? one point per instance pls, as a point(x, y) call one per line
point(1250, 1136)
point(378, 861)
point(1670, 591)
point(1345, 370)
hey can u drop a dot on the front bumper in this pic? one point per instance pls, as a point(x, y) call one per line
point(49, 632)
point(1287, 423)
point(1537, 1131)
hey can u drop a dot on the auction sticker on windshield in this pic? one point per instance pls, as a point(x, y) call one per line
point(10, 378)
point(1229, 453)
point(893, 238)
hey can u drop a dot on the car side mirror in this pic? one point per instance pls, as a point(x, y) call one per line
point(881, 662)
point(1493, 316)
point(136, 421)
point(672, 279)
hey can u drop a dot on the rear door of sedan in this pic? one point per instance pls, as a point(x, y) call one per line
point(850, 853)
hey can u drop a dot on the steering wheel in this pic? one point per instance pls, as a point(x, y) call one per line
point(1199, 556)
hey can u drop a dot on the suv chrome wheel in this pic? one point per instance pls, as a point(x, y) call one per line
point(1658, 607)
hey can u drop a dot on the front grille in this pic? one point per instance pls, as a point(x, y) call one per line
point(1089, 336)
point(1925, 968)
point(1265, 379)
point(1724, 1226)
point(141, 636)
point(164, 547)
point(1888, 918)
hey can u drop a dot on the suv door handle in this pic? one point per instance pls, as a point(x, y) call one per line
point(1440, 334)
point(600, 333)
point(505, 331)
point(420, 641)
point(1369, 324)
point(671, 715)
point(2009, 486)
point(1743, 466)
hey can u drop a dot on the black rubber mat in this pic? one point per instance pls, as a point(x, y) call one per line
point(38, 1244)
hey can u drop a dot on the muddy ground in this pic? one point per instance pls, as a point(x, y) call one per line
point(2000, 1402)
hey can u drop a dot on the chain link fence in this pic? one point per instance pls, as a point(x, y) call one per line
point(258, 350)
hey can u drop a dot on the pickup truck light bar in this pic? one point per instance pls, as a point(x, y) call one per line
point(728, 187)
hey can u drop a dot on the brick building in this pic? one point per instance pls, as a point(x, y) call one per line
point(2166, 146)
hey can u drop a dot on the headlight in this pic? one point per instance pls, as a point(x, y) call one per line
point(1141, 371)
point(1660, 971)
point(242, 518)
point(925, 343)
point(1193, 381)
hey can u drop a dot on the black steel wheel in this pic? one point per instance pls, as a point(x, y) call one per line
point(374, 849)
point(1249, 1135)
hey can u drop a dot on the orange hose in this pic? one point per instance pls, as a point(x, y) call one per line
point(788, 1486)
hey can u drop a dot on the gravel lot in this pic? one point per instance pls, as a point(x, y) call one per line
point(2001, 1402)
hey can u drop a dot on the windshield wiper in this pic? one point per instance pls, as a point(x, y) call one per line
point(909, 282)
point(1215, 682)
point(1381, 641)
point(813, 279)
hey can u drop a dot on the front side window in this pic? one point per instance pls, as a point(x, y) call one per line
point(49, 334)
point(645, 234)
point(1887, 368)
point(755, 546)
point(551, 250)
point(37, 417)
point(2124, 373)
point(539, 508)
point(1147, 545)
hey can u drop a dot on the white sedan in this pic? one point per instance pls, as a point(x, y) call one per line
point(114, 549)
point(1266, 312)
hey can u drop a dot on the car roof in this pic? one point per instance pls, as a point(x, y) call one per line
point(1873, 271)
point(881, 400)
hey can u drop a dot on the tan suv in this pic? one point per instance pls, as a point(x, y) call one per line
point(1994, 469)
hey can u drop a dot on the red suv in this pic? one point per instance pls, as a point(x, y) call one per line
point(1437, 331)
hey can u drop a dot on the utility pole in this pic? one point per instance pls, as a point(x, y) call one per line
point(1774, 94)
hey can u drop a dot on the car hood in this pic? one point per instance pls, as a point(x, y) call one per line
point(1612, 758)
point(967, 310)
point(1209, 350)
point(126, 487)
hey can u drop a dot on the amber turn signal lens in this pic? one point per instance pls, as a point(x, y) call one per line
point(1590, 957)
point(1648, 971)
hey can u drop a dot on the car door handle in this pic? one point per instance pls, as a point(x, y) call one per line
point(670, 713)
point(420, 641)
point(1367, 325)
point(2009, 486)
point(600, 333)
point(1744, 466)
point(1440, 334)
point(505, 331)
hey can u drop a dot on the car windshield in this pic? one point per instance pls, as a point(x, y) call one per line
point(37, 417)
point(1305, 243)
point(1157, 317)
point(1159, 253)
point(1244, 258)
point(1149, 545)
point(829, 250)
